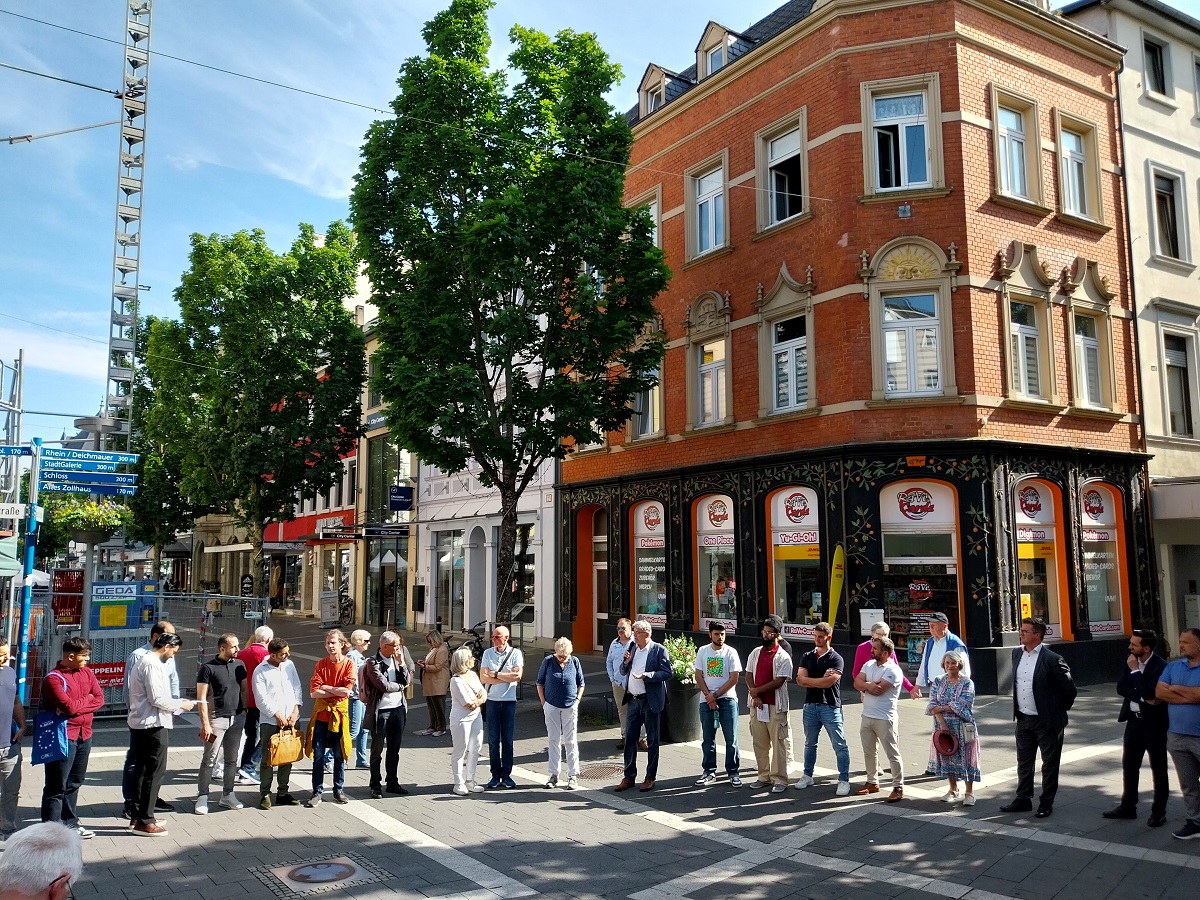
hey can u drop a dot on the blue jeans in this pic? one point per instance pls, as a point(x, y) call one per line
point(358, 734)
point(324, 739)
point(816, 717)
point(252, 746)
point(726, 715)
point(501, 724)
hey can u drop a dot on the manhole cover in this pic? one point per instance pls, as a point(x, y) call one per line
point(602, 771)
point(315, 876)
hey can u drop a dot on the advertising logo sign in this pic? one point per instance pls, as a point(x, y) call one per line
point(920, 590)
point(1030, 501)
point(1093, 504)
point(718, 513)
point(796, 508)
point(915, 503)
point(652, 517)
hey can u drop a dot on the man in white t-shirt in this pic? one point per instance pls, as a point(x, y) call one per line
point(718, 668)
point(880, 681)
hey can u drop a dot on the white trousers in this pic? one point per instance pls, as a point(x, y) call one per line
point(562, 728)
point(467, 732)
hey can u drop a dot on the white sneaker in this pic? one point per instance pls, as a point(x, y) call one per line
point(460, 790)
point(805, 781)
point(474, 788)
point(84, 833)
point(201, 808)
point(571, 785)
point(969, 800)
point(950, 796)
point(247, 778)
point(843, 789)
point(230, 801)
point(553, 782)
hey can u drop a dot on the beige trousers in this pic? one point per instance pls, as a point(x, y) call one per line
point(873, 732)
point(770, 746)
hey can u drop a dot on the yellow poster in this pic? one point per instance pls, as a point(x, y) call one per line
point(113, 615)
point(837, 576)
point(1026, 606)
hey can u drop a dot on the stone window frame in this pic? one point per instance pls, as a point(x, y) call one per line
point(1031, 113)
point(1092, 217)
point(797, 119)
point(930, 85)
point(708, 319)
point(717, 161)
point(786, 299)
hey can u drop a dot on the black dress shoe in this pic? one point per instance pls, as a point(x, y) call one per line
point(396, 789)
point(376, 794)
point(1121, 812)
point(1044, 811)
point(163, 806)
point(1018, 805)
point(1157, 820)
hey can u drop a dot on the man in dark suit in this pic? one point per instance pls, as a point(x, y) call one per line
point(1145, 719)
point(1043, 691)
point(648, 669)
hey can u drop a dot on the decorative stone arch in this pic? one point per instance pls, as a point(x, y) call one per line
point(787, 299)
point(912, 265)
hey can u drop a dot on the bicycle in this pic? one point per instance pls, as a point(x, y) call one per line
point(345, 608)
point(475, 641)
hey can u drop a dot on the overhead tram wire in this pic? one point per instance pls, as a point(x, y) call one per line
point(81, 84)
point(387, 112)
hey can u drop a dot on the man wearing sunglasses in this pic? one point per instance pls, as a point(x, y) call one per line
point(40, 863)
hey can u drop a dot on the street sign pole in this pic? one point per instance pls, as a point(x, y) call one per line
point(31, 528)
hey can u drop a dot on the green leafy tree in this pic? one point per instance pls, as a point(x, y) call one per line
point(515, 290)
point(257, 386)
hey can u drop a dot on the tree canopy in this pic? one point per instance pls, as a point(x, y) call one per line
point(257, 387)
point(515, 289)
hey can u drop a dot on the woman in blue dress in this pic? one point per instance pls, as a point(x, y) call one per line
point(951, 700)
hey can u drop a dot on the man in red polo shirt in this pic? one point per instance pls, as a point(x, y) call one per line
point(254, 653)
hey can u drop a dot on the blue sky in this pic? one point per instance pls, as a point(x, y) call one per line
point(224, 153)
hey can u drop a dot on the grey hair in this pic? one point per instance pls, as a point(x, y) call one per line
point(263, 634)
point(956, 655)
point(460, 661)
point(643, 626)
point(882, 628)
point(563, 644)
point(38, 856)
point(389, 637)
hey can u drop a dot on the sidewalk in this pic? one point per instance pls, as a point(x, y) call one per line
point(675, 842)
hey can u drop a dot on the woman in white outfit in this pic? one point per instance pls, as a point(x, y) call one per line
point(466, 724)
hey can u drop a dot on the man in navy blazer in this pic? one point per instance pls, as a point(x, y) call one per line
point(1043, 691)
point(648, 670)
point(1145, 719)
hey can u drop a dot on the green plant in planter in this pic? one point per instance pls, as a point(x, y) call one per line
point(681, 651)
point(76, 513)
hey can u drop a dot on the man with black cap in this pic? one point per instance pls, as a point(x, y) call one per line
point(767, 672)
point(941, 641)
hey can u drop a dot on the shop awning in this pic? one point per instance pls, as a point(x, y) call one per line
point(177, 550)
point(229, 548)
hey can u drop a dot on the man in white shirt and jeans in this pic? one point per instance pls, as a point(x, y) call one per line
point(277, 691)
point(880, 681)
point(152, 712)
point(718, 669)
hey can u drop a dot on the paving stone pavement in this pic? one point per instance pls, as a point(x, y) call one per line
point(678, 841)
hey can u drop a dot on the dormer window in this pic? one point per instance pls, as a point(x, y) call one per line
point(653, 91)
point(716, 59)
point(712, 53)
point(654, 98)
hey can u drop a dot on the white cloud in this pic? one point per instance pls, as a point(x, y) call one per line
point(55, 352)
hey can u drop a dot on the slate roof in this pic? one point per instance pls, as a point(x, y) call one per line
point(757, 34)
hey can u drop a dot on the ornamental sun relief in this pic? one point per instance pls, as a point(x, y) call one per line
point(908, 263)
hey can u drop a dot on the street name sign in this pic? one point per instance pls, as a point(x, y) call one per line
point(87, 477)
point(71, 465)
point(89, 455)
point(58, 487)
point(15, 450)
point(13, 510)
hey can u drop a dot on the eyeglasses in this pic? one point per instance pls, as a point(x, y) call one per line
point(70, 887)
point(622, 628)
point(770, 632)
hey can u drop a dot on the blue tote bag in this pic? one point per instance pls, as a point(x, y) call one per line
point(49, 734)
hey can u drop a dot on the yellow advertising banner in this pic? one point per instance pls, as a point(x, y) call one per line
point(837, 577)
point(798, 551)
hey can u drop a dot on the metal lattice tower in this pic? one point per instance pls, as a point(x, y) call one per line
point(122, 338)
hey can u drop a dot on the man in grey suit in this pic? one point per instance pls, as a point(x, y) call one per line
point(648, 669)
point(1043, 691)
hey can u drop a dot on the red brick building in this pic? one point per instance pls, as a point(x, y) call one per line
point(899, 322)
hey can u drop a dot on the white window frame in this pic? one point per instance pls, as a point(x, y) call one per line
point(652, 93)
point(910, 328)
point(1196, 81)
point(1016, 384)
point(791, 347)
point(1102, 344)
point(1031, 154)
point(787, 299)
point(647, 419)
point(1091, 210)
point(1179, 182)
point(1190, 384)
point(930, 86)
point(708, 322)
point(1163, 46)
point(716, 373)
point(693, 204)
point(652, 200)
point(709, 55)
point(795, 121)
point(1021, 338)
point(714, 38)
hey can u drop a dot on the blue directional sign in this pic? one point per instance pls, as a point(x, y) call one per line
point(70, 465)
point(87, 477)
point(58, 487)
point(15, 450)
point(400, 498)
point(89, 455)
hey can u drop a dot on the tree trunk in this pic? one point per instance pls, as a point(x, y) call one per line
point(156, 561)
point(256, 558)
point(505, 573)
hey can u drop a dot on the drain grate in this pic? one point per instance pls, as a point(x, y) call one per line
point(602, 771)
point(318, 876)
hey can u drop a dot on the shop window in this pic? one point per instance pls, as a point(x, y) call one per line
point(911, 336)
point(649, 558)
point(1016, 146)
point(1041, 561)
point(1156, 70)
point(716, 581)
point(902, 142)
point(1102, 518)
point(450, 549)
point(524, 576)
point(1177, 372)
point(782, 170)
point(919, 529)
point(797, 597)
point(1078, 168)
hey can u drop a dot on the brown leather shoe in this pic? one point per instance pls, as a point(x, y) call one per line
point(642, 745)
point(626, 784)
point(868, 788)
point(896, 796)
point(647, 785)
